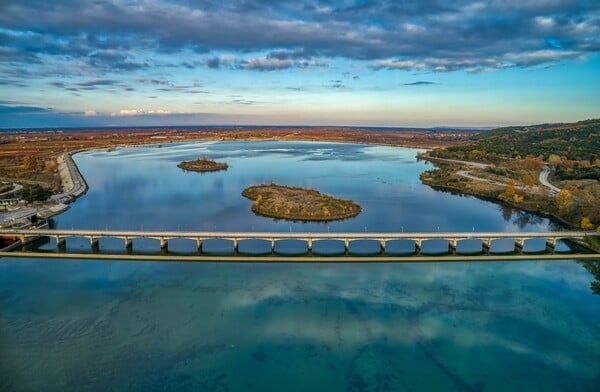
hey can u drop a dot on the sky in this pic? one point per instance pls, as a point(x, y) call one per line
point(77, 63)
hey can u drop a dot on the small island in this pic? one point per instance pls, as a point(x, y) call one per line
point(299, 204)
point(203, 165)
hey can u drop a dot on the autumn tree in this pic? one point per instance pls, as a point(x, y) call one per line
point(510, 193)
point(564, 200)
point(554, 160)
point(510, 189)
point(533, 163)
point(586, 224)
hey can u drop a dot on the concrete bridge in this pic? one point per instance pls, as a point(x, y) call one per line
point(25, 236)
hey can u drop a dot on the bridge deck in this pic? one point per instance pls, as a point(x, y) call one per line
point(310, 238)
point(293, 235)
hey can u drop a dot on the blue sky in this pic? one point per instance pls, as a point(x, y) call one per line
point(379, 63)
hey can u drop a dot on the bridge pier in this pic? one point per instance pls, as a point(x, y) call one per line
point(519, 242)
point(199, 244)
point(486, 243)
point(128, 242)
point(452, 244)
point(382, 245)
point(60, 241)
point(418, 243)
point(309, 244)
point(94, 242)
point(26, 239)
point(164, 243)
point(346, 244)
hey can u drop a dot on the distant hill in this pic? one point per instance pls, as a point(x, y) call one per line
point(578, 141)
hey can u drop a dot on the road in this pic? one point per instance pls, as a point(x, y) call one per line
point(73, 183)
point(16, 188)
point(478, 165)
point(543, 178)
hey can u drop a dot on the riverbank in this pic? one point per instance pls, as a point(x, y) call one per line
point(73, 183)
point(73, 186)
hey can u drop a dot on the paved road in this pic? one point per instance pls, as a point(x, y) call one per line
point(16, 188)
point(543, 178)
point(467, 174)
point(468, 163)
point(73, 183)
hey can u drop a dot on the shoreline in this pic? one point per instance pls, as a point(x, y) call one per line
point(72, 181)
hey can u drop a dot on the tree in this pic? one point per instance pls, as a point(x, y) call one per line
point(510, 189)
point(564, 200)
point(35, 193)
point(533, 163)
point(586, 224)
point(554, 160)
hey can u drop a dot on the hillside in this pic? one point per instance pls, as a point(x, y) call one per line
point(572, 149)
point(514, 158)
point(576, 141)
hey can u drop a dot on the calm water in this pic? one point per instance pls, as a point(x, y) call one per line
point(98, 325)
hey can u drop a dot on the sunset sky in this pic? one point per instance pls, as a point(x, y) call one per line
point(225, 62)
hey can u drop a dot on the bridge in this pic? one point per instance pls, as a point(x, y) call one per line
point(383, 239)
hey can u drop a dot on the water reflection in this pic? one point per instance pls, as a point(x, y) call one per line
point(142, 326)
point(155, 326)
point(594, 268)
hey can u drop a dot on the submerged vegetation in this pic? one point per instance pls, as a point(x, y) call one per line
point(203, 165)
point(294, 203)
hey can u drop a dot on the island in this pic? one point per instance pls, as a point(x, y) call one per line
point(203, 165)
point(299, 204)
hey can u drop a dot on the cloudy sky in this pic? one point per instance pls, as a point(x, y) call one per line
point(317, 62)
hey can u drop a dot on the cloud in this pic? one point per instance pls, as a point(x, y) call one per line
point(97, 82)
point(336, 84)
point(419, 83)
point(266, 64)
point(139, 112)
point(22, 110)
point(108, 37)
point(213, 62)
point(541, 56)
point(405, 65)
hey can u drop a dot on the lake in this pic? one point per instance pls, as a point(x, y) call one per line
point(149, 326)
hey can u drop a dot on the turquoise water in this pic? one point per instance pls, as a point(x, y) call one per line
point(144, 326)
